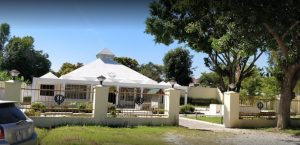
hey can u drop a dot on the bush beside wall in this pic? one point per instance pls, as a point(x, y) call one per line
point(199, 102)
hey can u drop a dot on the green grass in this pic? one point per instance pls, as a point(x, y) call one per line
point(207, 119)
point(86, 135)
point(41, 133)
point(291, 131)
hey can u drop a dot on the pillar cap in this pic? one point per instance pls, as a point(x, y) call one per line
point(230, 92)
point(12, 81)
point(170, 89)
point(99, 86)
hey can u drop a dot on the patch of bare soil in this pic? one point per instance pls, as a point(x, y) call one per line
point(195, 137)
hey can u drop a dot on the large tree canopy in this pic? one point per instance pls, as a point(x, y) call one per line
point(19, 54)
point(152, 71)
point(278, 22)
point(177, 65)
point(210, 79)
point(68, 67)
point(129, 62)
point(207, 26)
point(4, 35)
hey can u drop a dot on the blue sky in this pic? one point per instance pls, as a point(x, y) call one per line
point(75, 31)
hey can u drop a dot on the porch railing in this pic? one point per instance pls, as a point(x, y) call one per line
point(138, 105)
point(57, 103)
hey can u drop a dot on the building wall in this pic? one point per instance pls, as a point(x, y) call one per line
point(203, 93)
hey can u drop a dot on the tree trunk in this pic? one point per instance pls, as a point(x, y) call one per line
point(238, 86)
point(285, 101)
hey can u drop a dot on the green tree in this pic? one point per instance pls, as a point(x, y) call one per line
point(19, 54)
point(129, 62)
point(251, 86)
point(68, 67)
point(4, 35)
point(270, 87)
point(211, 79)
point(207, 26)
point(177, 65)
point(5, 76)
point(152, 71)
point(278, 23)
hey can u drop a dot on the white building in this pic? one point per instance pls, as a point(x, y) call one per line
point(77, 85)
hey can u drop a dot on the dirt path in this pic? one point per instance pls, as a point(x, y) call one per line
point(242, 136)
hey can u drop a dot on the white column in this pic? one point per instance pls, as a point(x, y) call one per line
point(134, 93)
point(63, 89)
point(33, 92)
point(91, 91)
point(185, 96)
point(117, 96)
point(142, 92)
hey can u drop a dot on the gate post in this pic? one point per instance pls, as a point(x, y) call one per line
point(172, 97)
point(13, 91)
point(231, 109)
point(100, 103)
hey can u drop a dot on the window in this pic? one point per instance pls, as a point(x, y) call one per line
point(47, 90)
point(78, 91)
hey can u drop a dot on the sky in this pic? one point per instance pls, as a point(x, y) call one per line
point(76, 30)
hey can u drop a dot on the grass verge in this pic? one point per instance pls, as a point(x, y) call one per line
point(86, 135)
point(41, 134)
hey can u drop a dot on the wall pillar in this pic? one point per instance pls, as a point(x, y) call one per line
point(172, 98)
point(100, 103)
point(13, 91)
point(231, 109)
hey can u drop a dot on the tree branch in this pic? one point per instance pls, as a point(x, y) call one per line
point(278, 40)
point(221, 59)
point(252, 63)
point(245, 60)
point(290, 29)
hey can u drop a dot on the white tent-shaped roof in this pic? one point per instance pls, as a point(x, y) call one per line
point(164, 83)
point(114, 72)
point(49, 75)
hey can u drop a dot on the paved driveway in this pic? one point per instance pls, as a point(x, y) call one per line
point(242, 136)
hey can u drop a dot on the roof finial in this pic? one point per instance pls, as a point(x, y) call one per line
point(105, 54)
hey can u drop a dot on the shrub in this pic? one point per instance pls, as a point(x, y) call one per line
point(82, 106)
point(112, 110)
point(32, 112)
point(85, 107)
point(187, 109)
point(214, 101)
point(158, 111)
point(202, 101)
point(38, 107)
point(27, 99)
